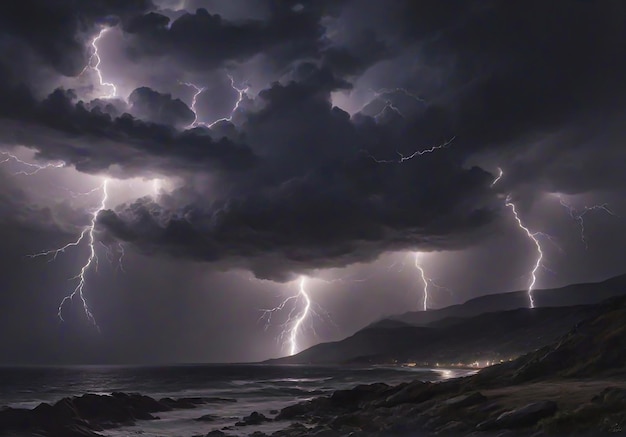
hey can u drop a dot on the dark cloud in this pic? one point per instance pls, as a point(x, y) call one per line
point(59, 31)
point(314, 199)
point(290, 183)
point(203, 40)
point(93, 141)
point(520, 78)
point(153, 106)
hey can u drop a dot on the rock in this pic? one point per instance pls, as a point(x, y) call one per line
point(219, 400)
point(83, 416)
point(293, 430)
point(414, 392)
point(325, 432)
point(611, 395)
point(273, 411)
point(522, 417)
point(359, 394)
point(453, 428)
point(206, 418)
point(216, 433)
point(293, 411)
point(183, 403)
point(257, 434)
point(465, 400)
point(254, 418)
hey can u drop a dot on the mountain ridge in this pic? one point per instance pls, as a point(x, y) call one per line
point(467, 332)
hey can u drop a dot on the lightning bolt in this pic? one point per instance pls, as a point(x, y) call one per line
point(241, 92)
point(386, 91)
point(296, 318)
point(194, 100)
point(497, 179)
point(402, 158)
point(533, 236)
point(383, 92)
point(94, 64)
point(293, 336)
point(578, 216)
point(117, 256)
point(36, 168)
point(419, 267)
point(86, 234)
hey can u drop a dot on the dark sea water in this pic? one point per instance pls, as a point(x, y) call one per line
point(255, 387)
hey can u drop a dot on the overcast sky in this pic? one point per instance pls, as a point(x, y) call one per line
point(226, 148)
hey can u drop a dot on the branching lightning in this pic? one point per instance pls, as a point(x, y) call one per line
point(578, 216)
point(424, 279)
point(402, 158)
point(194, 101)
point(241, 92)
point(293, 336)
point(382, 94)
point(302, 308)
point(36, 168)
point(533, 236)
point(94, 64)
point(86, 234)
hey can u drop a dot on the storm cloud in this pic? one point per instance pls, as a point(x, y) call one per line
point(280, 130)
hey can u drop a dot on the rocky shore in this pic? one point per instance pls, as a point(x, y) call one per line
point(84, 416)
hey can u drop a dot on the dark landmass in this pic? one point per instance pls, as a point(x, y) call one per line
point(486, 329)
point(488, 337)
point(575, 386)
point(570, 295)
point(84, 416)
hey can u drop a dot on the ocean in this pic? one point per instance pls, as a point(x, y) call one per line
point(255, 387)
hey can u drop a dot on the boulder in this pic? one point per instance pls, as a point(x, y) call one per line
point(522, 417)
point(415, 392)
point(254, 418)
point(465, 400)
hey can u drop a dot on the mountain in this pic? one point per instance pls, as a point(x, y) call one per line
point(488, 337)
point(482, 329)
point(576, 294)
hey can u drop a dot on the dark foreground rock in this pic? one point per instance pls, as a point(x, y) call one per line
point(254, 418)
point(522, 417)
point(84, 416)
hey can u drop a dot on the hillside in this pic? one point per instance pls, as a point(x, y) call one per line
point(592, 348)
point(488, 328)
point(487, 337)
point(570, 295)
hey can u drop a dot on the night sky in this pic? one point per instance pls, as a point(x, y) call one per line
point(244, 144)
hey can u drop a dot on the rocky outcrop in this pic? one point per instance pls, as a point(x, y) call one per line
point(522, 417)
point(85, 415)
point(254, 418)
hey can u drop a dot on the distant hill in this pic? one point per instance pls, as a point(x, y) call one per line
point(490, 336)
point(570, 295)
point(487, 328)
